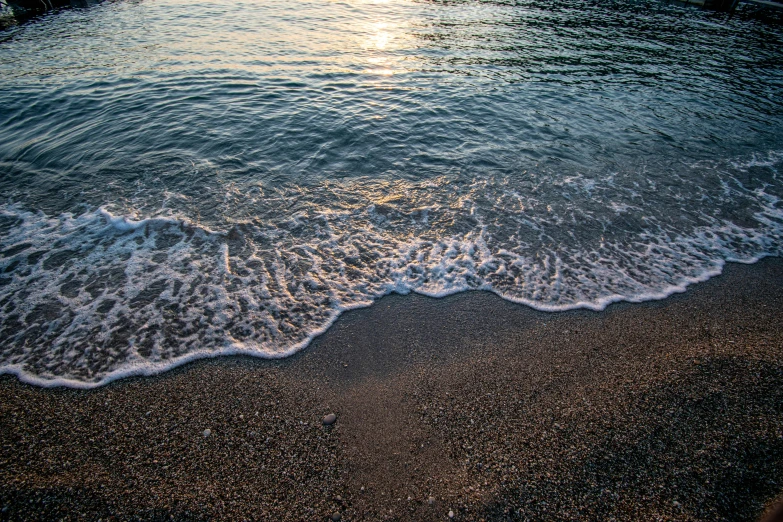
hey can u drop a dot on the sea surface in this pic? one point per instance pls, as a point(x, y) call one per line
point(183, 179)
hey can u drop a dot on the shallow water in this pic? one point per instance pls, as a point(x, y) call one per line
point(185, 179)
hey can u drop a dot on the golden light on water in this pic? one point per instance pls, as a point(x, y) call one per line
point(379, 37)
point(381, 42)
point(368, 41)
point(379, 65)
point(380, 72)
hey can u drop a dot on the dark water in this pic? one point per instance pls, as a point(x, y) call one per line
point(181, 179)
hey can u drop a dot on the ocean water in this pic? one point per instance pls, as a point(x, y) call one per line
point(183, 179)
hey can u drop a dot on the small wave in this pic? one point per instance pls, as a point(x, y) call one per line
point(89, 298)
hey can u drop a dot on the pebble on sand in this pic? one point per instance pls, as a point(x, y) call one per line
point(329, 419)
point(336, 517)
point(451, 514)
point(207, 432)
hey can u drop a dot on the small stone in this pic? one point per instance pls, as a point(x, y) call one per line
point(336, 517)
point(329, 419)
point(207, 432)
point(431, 501)
point(451, 514)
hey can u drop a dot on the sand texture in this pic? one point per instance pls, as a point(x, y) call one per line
point(669, 410)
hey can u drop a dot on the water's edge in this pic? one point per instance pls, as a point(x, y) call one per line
point(150, 370)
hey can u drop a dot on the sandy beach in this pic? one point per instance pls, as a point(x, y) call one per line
point(467, 407)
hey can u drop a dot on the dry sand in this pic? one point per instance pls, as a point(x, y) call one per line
point(669, 410)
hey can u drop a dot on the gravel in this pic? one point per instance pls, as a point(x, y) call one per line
point(667, 410)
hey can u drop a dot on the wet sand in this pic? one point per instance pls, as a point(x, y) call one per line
point(668, 410)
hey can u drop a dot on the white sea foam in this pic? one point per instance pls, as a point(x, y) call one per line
point(85, 299)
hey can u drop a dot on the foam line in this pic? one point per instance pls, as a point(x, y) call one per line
point(87, 299)
point(151, 369)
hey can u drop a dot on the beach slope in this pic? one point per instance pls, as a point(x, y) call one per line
point(467, 406)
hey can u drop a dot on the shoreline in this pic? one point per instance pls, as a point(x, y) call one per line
point(469, 404)
point(147, 371)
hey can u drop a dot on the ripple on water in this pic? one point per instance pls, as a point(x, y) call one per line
point(186, 179)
